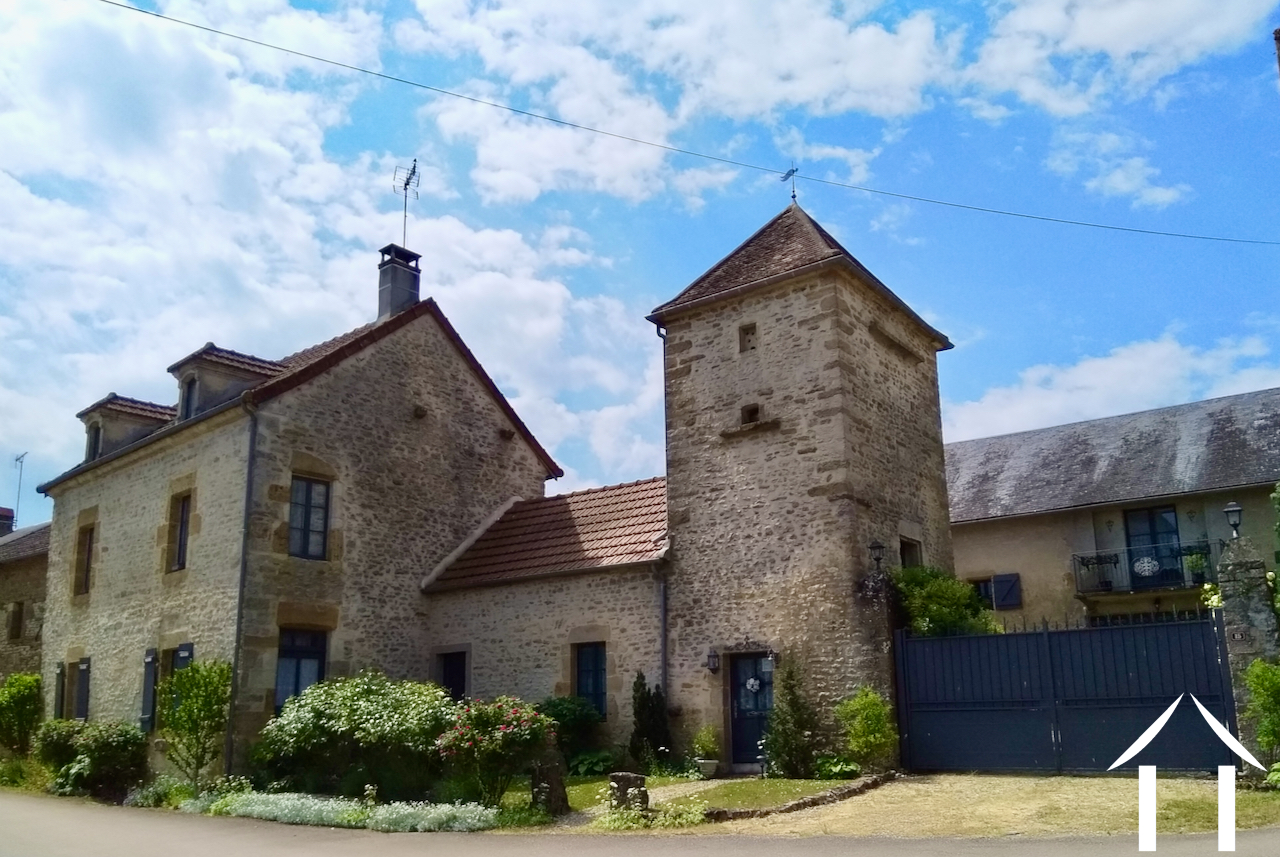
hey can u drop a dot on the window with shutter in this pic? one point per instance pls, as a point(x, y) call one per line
point(82, 689)
point(1006, 591)
point(149, 677)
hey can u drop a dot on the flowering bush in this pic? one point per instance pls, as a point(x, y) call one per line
point(293, 809)
point(490, 743)
point(662, 817)
point(426, 817)
point(343, 734)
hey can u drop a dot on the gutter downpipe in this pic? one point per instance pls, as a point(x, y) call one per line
point(660, 568)
point(229, 742)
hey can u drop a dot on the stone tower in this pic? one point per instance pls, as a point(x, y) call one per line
point(803, 423)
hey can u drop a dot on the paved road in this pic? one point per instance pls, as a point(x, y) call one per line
point(39, 826)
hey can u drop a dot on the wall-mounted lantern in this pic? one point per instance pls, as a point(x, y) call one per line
point(713, 661)
point(770, 661)
point(877, 552)
point(1234, 516)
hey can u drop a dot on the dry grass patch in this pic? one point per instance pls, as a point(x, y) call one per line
point(990, 805)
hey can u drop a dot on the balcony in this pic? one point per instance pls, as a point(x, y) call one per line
point(1174, 565)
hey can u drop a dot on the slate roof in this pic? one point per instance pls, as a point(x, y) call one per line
point(1202, 446)
point(132, 407)
point(786, 244)
point(25, 542)
point(599, 528)
point(302, 366)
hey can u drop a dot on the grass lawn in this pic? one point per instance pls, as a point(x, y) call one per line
point(758, 793)
point(583, 792)
point(993, 805)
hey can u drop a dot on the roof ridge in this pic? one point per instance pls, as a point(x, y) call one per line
point(582, 491)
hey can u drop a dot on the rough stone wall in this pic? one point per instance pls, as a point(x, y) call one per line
point(1249, 616)
point(22, 582)
point(519, 638)
point(134, 603)
point(770, 522)
point(415, 450)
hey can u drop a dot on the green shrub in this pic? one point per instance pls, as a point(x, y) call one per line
point(490, 743)
point(661, 817)
point(650, 742)
point(832, 766)
point(524, 815)
point(792, 741)
point(111, 758)
point(706, 743)
point(24, 772)
point(343, 734)
point(591, 763)
point(1273, 777)
point(193, 709)
point(577, 723)
point(55, 743)
point(869, 730)
point(162, 791)
point(937, 604)
point(1263, 681)
point(20, 708)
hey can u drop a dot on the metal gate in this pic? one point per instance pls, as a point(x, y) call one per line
point(1063, 700)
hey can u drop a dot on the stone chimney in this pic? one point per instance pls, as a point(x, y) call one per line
point(6, 521)
point(398, 280)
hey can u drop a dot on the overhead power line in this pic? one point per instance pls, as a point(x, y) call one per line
point(678, 150)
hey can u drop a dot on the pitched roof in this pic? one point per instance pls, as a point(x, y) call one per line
point(302, 366)
point(1202, 446)
point(599, 528)
point(786, 245)
point(24, 543)
point(235, 359)
point(132, 407)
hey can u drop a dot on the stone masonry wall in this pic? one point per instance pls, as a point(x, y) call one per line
point(519, 638)
point(770, 522)
point(22, 582)
point(418, 455)
point(134, 603)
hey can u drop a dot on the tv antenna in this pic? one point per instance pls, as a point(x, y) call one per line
point(19, 461)
point(791, 174)
point(405, 181)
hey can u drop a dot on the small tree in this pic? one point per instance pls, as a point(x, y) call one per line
point(792, 739)
point(195, 704)
point(869, 730)
point(20, 707)
point(651, 730)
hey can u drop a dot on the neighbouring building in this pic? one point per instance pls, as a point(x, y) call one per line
point(279, 516)
point(802, 424)
point(23, 560)
point(1116, 519)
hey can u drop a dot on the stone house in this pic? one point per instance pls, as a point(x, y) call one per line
point(1117, 519)
point(802, 424)
point(23, 559)
point(279, 516)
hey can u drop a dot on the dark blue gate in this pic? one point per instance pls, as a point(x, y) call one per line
point(1063, 700)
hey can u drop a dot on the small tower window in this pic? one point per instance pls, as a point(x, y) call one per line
point(93, 444)
point(750, 414)
point(747, 338)
point(188, 409)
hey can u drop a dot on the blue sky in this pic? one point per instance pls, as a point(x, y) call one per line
point(162, 187)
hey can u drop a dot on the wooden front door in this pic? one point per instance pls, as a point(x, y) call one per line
point(751, 694)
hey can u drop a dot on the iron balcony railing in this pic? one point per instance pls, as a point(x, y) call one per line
point(1173, 565)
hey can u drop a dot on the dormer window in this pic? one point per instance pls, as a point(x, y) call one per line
point(93, 442)
point(187, 409)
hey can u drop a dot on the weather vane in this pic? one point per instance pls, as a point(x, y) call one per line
point(405, 181)
point(791, 174)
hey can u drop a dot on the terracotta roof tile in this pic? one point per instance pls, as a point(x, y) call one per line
point(132, 407)
point(235, 359)
point(598, 528)
point(24, 543)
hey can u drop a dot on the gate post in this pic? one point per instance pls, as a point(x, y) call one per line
point(1249, 618)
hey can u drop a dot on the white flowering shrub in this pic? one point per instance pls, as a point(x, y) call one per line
point(661, 817)
point(428, 817)
point(293, 809)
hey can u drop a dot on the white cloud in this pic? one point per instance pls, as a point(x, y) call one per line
point(1113, 169)
point(858, 161)
point(1064, 55)
point(1134, 377)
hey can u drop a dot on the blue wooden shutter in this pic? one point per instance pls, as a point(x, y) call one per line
point(1006, 591)
point(183, 656)
point(148, 720)
point(82, 690)
point(59, 691)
